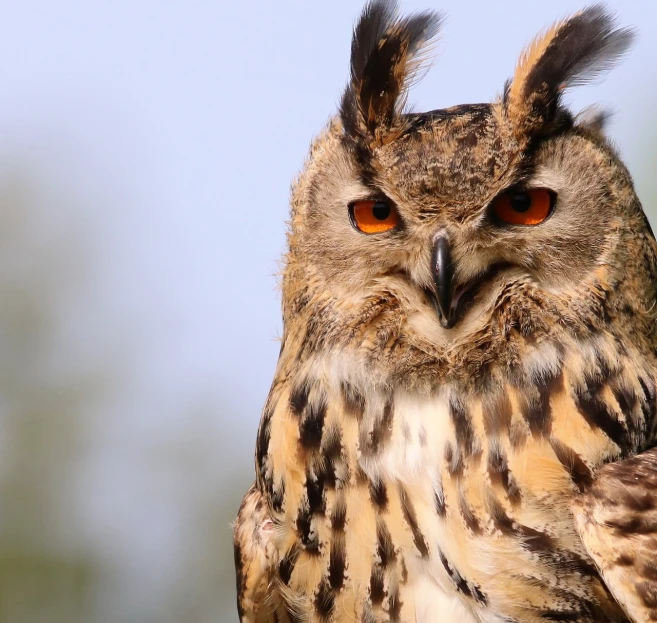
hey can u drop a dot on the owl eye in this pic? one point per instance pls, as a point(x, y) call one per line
point(524, 207)
point(373, 216)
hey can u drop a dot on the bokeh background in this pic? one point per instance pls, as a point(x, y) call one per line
point(146, 153)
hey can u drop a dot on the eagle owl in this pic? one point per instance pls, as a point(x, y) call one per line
point(461, 419)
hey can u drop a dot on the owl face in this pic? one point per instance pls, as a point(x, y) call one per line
point(455, 210)
point(458, 214)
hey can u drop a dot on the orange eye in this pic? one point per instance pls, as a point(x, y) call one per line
point(373, 217)
point(524, 207)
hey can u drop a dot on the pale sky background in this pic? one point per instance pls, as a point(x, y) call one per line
point(175, 129)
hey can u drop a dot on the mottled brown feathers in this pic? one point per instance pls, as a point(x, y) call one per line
point(387, 53)
point(412, 470)
point(569, 53)
point(617, 519)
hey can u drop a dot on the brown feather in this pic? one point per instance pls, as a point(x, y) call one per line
point(617, 519)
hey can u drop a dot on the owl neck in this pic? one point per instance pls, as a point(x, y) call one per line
point(328, 422)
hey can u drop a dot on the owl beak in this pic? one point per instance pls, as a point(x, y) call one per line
point(443, 276)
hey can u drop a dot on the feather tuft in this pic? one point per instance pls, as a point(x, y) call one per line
point(388, 54)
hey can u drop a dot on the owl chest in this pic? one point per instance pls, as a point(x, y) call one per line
point(409, 508)
point(418, 479)
point(460, 490)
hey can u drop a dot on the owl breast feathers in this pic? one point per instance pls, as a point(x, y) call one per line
point(461, 420)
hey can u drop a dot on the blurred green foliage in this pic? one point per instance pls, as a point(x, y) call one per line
point(55, 565)
point(42, 421)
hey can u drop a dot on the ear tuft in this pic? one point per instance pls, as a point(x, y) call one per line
point(387, 54)
point(570, 53)
point(593, 119)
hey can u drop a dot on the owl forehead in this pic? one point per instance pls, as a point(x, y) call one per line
point(454, 159)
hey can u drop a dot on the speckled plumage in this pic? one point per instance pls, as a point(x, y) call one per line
point(408, 472)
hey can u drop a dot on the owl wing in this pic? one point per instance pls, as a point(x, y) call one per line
point(617, 521)
point(256, 560)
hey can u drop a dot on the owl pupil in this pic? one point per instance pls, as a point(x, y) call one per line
point(381, 211)
point(521, 202)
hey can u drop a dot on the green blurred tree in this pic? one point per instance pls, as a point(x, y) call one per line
point(43, 411)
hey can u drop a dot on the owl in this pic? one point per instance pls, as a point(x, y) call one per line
point(462, 421)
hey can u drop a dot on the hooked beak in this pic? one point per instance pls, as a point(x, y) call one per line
point(443, 277)
point(452, 301)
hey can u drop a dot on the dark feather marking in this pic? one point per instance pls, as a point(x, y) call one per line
point(264, 435)
point(299, 400)
point(394, 606)
point(382, 429)
point(579, 472)
point(377, 591)
point(624, 560)
point(514, 493)
point(649, 570)
point(462, 585)
point(385, 546)
point(626, 398)
point(633, 524)
point(540, 543)
point(648, 406)
point(640, 422)
point(338, 553)
point(339, 516)
point(469, 517)
point(534, 400)
point(379, 493)
point(535, 540)
point(454, 459)
point(575, 616)
point(240, 578)
point(324, 601)
point(597, 412)
point(310, 430)
point(265, 476)
point(462, 425)
point(479, 595)
point(315, 495)
point(286, 565)
point(505, 92)
point(337, 560)
point(332, 457)
point(498, 470)
point(411, 519)
point(277, 496)
point(648, 593)
point(303, 526)
point(439, 501)
point(307, 535)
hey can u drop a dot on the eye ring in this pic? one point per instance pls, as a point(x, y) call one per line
point(523, 207)
point(374, 216)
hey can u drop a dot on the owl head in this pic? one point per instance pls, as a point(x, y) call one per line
point(443, 240)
